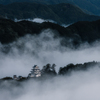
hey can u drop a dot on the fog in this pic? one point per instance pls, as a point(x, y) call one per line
point(64, 25)
point(82, 85)
point(37, 20)
point(17, 58)
point(40, 20)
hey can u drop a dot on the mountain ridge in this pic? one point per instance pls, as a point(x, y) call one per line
point(61, 13)
point(83, 31)
point(65, 71)
point(89, 6)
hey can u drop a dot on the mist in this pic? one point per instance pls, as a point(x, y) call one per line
point(40, 20)
point(37, 20)
point(17, 58)
point(84, 85)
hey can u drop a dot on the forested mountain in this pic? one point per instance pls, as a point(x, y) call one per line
point(80, 31)
point(68, 69)
point(89, 6)
point(88, 31)
point(10, 30)
point(37, 1)
point(92, 6)
point(61, 13)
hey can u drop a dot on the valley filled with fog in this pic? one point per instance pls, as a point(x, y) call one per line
point(17, 58)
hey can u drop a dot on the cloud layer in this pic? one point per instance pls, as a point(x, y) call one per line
point(84, 85)
point(41, 49)
point(19, 57)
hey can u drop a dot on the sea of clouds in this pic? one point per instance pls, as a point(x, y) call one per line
point(84, 85)
point(17, 58)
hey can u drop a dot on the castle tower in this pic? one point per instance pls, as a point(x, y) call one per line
point(15, 77)
point(35, 72)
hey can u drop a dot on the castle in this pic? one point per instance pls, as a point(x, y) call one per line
point(35, 72)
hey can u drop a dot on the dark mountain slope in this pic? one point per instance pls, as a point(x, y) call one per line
point(61, 13)
point(90, 6)
point(70, 13)
point(68, 69)
point(10, 31)
point(88, 31)
point(36, 1)
point(78, 32)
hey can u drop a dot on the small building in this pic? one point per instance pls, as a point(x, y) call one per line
point(35, 72)
point(15, 77)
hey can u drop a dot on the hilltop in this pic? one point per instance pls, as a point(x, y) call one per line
point(48, 71)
